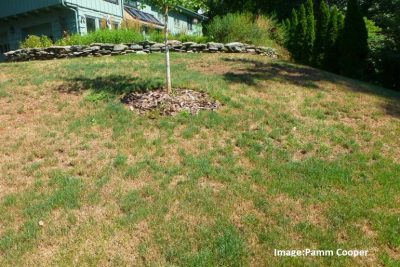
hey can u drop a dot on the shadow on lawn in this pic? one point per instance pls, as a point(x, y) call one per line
point(256, 71)
point(112, 84)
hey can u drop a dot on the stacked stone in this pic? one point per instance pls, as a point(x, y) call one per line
point(145, 47)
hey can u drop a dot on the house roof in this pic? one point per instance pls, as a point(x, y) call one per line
point(143, 16)
point(191, 12)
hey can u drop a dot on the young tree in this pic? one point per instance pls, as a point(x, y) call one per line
point(166, 6)
point(353, 42)
point(310, 32)
point(321, 33)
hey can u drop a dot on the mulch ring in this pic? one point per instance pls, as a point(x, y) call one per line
point(170, 104)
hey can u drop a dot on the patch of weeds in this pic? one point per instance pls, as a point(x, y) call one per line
point(229, 248)
point(391, 233)
point(257, 176)
point(98, 96)
point(31, 169)
point(190, 131)
point(135, 170)
point(120, 161)
point(134, 206)
point(10, 200)
point(3, 93)
point(102, 181)
point(199, 166)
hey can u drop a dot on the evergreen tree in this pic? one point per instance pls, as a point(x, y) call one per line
point(293, 41)
point(287, 30)
point(321, 33)
point(310, 33)
point(301, 36)
point(331, 42)
point(353, 47)
point(340, 22)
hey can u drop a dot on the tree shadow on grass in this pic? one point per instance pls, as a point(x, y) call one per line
point(112, 84)
point(256, 71)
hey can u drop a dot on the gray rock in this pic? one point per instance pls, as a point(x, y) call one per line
point(157, 46)
point(141, 53)
point(107, 46)
point(188, 44)
point(215, 46)
point(237, 44)
point(119, 48)
point(136, 47)
point(174, 43)
point(235, 47)
point(76, 48)
point(198, 46)
point(147, 43)
point(250, 46)
point(95, 47)
point(10, 53)
point(105, 52)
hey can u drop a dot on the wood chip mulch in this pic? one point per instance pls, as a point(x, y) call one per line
point(170, 104)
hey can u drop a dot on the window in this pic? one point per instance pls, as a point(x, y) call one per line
point(112, 1)
point(90, 24)
point(190, 23)
point(131, 3)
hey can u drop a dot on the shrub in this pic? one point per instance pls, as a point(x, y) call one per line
point(103, 36)
point(33, 41)
point(125, 35)
point(190, 38)
point(243, 27)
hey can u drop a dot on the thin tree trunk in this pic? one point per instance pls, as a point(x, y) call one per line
point(167, 59)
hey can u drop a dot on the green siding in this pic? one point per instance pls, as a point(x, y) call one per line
point(15, 7)
point(101, 6)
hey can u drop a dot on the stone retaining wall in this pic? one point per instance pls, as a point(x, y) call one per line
point(100, 49)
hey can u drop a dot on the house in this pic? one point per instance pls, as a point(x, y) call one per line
point(55, 18)
point(181, 20)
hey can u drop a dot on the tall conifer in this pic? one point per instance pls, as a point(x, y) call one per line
point(321, 33)
point(293, 40)
point(353, 47)
point(310, 32)
point(301, 36)
point(330, 60)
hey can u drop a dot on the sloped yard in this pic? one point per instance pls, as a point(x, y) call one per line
point(295, 158)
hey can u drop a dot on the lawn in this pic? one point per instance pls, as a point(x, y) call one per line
point(296, 158)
